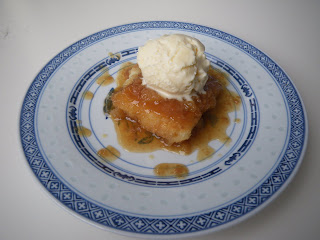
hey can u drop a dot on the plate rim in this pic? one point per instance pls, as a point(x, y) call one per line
point(241, 218)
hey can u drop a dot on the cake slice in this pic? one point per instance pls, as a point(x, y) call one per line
point(171, 119)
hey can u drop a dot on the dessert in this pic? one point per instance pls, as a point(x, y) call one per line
point(150, 112)
point(168, 97)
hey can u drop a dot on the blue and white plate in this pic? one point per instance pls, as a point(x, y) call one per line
point(269, 136)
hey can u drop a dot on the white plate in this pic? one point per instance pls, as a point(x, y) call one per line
point(124, 196)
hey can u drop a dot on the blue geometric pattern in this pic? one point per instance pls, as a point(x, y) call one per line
point(105, 217)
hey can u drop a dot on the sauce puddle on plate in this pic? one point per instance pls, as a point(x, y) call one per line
point(212, 126)
point(109, 153)
point(171, 170)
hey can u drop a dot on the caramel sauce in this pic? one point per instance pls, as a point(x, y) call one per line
point(109, 153)
point(204, 152)
point(171, 170)
point(83, 131)
point(105, 79)
point(171, 119)
point(112, 55)
point(88, 95)
point(212, 125)
point(237, 120)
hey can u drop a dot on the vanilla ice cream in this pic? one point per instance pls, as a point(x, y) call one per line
point(174, 65)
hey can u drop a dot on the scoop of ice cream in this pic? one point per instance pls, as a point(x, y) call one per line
point(174, 65)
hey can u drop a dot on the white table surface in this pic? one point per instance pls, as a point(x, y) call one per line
point(32, 32)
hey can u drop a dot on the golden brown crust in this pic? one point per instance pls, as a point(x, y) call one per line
point(170, 119)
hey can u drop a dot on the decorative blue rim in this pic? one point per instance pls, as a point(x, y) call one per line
point(208, 221)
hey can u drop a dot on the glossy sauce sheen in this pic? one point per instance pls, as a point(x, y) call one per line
point(109, 153)
point(212, 125)
point(171, 170)
point(171, 119)
point(83, 131)
point(88, 95)
point(105, 79)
